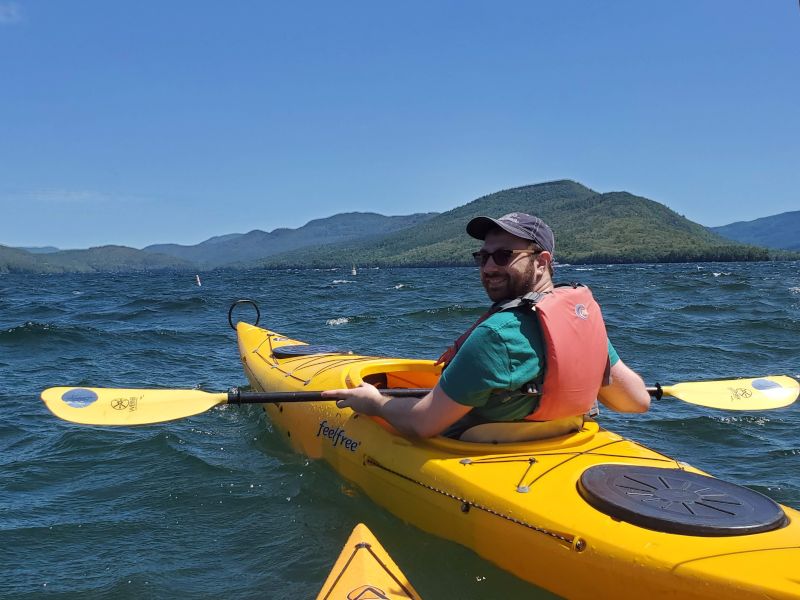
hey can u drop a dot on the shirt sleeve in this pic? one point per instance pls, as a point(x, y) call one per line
point(480, 366)
point(613, 357)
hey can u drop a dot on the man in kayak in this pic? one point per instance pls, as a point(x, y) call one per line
point(541, 353)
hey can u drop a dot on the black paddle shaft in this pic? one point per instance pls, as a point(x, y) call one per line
point(236, 396)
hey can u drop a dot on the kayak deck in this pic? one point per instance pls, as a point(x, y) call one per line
point(515, 504)
point(365, 570)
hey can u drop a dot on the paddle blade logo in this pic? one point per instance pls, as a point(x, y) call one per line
point(740, 393)
point(125, 403)
point(367, 592)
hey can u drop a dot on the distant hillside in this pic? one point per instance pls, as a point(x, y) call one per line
point(249, 247)
point(14, 260)
point(100, 259)
point(778, 231)
point(616, 227)
point(39, 249)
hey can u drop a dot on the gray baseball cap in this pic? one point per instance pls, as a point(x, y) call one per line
point(521, 225)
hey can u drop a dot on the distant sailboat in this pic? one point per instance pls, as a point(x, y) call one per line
point(353, 271)
point(199, 283)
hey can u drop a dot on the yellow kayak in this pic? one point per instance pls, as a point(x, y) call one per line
point(364, 570)
point(584, 514)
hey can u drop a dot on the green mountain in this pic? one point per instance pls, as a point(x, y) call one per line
point(778, 231)
point(616, 227)
point(99, 259)
point(14, 260)
point(248, 247)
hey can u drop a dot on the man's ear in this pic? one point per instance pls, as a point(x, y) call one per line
point(544, 259)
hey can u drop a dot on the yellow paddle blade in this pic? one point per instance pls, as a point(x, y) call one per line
point(760, 393)
point(99, 406)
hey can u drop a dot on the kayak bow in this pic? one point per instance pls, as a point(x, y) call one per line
point(365, 570)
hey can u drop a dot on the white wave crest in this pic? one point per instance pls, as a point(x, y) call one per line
point(339, 321)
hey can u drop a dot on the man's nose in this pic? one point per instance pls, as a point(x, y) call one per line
point(490, 265)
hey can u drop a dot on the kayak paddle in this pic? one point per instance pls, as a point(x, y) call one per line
point(756, 393)
point(108, 406)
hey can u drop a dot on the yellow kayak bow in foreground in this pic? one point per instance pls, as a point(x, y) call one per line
point(365, 570)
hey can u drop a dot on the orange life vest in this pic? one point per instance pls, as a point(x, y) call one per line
point(576, 350)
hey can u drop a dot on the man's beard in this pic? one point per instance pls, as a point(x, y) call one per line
point(510, 284)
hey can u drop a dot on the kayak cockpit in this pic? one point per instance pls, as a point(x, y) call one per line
point(398, 373)
point(387, 374)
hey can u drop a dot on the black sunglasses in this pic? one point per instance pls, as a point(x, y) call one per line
point(500, 257)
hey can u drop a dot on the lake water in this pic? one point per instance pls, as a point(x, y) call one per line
point(216, 505)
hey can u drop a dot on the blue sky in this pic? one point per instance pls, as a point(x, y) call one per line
point(144, 122)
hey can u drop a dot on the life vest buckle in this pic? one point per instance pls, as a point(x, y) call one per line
point(531, 389)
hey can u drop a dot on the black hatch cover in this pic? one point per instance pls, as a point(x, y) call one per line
point(305, 350)
point(677, 501)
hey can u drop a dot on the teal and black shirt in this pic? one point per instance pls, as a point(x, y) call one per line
point(503, 353)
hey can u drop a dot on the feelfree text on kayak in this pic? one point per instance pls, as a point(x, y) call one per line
point(337, 436)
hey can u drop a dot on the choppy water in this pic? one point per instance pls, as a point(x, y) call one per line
point(216, 505)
